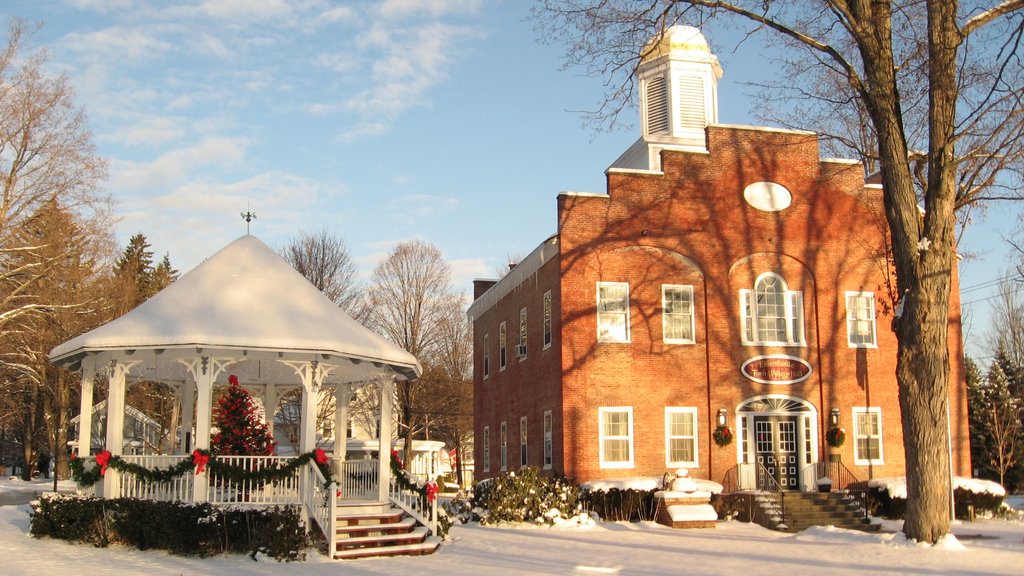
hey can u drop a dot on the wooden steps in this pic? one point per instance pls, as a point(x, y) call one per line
point(375, 529)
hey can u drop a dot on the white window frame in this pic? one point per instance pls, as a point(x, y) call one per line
point(549, 427)
point(547, 320)
point(487, 356)
point(857, 458)
point(487, 449)
point(522, 333)
point(605, 335)
point(669, 412)
point(665, 315)
point(504, 446)
point(524, 443)
point(602, 437)
point(793, 315)
point(854, 318)
point(502, 347)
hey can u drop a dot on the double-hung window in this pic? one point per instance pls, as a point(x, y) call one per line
point(504, 446)
point(547, 320)
point(487, 355)
point(616, 436)
point(612, 312)
point(681, 437)
point(867, 436)
point(502, 347)
point(521, 349)
point(548, 430)
point(860, 320)
point(771, 313)
point(487, 449)
point(523, 444)
point(677, 313)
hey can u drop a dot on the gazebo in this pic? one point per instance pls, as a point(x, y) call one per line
point(245, 312)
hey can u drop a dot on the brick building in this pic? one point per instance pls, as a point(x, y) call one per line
point(729, 277)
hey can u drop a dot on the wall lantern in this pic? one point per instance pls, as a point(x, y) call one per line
point(722, 417)
point(833, 417)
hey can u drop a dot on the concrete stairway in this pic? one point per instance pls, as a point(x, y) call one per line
point(378, 529)
point(805, 509)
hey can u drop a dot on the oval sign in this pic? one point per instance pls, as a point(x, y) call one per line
point(768, 196)
point(776, 369)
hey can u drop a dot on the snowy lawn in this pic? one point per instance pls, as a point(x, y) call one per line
point(986, 547)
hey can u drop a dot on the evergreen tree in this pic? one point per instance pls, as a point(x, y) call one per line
point(240, 429)
point(977, 405)
point(163, 275)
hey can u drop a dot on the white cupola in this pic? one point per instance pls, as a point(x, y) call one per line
point(678, 77)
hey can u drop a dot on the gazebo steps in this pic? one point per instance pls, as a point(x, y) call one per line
point(376, 529)
point(428, 546)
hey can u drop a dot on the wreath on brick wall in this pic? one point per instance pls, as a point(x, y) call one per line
point(722, 435)
point(835, 436)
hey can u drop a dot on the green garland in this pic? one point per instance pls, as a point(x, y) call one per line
point(230, 472)
point(398, 473)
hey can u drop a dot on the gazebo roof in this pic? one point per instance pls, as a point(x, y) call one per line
point(244, 302)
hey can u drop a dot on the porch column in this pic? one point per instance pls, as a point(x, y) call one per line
point(188, 409)
point(387, 393)
point(307, 432)
point(342, 397)
point(85, 412)
point(117, 373)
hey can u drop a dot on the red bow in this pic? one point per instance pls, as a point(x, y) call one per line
point(233, 380)
point(103, 460)
point(320, 456)
point(432, 490)
point(200, 460)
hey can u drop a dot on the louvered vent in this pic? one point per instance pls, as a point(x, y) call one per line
point(692, 106)
point(657, 106)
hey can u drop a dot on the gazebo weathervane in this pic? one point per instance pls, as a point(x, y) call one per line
point(248, 216)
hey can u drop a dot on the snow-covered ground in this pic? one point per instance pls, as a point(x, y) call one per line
point(988, 547)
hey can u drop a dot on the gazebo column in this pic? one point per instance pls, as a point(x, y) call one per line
point(117, 373)
point(307, 430)
point(342, 397)
point(270, 406)
point(204, 371)
point(188, 411)
point(85, 412)
point(387, 393)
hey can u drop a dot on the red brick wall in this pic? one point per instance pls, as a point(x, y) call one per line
point(691, 225)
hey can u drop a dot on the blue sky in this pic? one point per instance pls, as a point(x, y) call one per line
point(382, 120)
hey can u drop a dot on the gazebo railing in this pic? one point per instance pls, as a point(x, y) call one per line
point(279, 492)
point(415, 505)
point(359, 479)
point(178, 488)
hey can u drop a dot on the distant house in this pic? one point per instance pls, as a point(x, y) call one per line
point(141, 433)
point(731, 285)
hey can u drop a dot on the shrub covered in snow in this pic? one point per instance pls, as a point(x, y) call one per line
point(526, 496)
point(179, 528)
point(887, 497)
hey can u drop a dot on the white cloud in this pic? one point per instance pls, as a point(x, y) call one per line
point(413, 8)
point(101, 6)
point(129, 178)
point(117, 43)
point(246, 10)
point(336, 14)
point(146, 130)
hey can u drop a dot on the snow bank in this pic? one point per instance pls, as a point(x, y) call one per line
point(897, 486)
point(646, 483)
point(699, 512)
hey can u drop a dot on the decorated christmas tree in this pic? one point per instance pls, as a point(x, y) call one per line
point(240, 430)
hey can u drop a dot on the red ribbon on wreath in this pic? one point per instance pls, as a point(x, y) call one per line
point(320, 456)
point(103, 460)
point(432, 490)
point(200, 460)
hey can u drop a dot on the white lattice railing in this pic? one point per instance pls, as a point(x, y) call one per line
point(321, 501)
point(359, 479)
point(178, 488)
point(281, 492)
point(415, 505)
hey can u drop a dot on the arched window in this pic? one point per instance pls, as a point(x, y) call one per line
point(772, 314)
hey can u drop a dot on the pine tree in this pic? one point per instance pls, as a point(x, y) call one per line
point(240, 430)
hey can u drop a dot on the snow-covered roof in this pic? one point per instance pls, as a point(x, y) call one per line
point(245, 301)
point(529, 266)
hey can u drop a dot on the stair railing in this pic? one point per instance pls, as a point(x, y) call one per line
point(414, 504)
point(322, 503)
